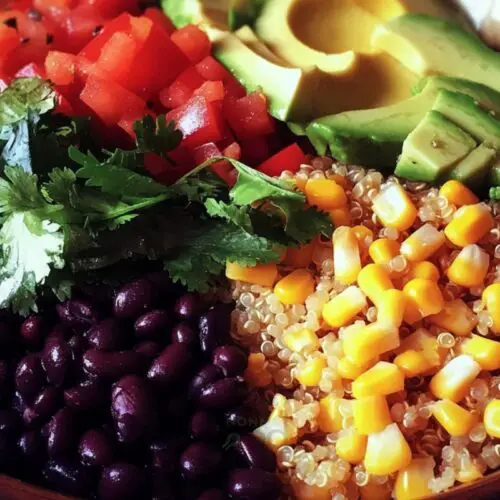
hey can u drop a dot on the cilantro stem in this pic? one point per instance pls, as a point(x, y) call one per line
point(150, 202)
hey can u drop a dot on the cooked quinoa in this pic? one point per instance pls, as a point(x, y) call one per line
point(309, 418)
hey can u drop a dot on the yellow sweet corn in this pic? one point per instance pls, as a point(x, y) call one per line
point(262, 274)
point(371, 414)
point(364, 235)
point(456, 317)
point(412, 482)
point(277, 432)
point(309, 374)
point(491, 299)
point(391, 308)
point(299, 257)
point(422, 243)
point(340, 216)
point(387, 451)
point(394, 208)
point(469, 225)
point(344, 306)
point(457, 421)
point(422, 341)
point(383, 250)
point(326, 194)
point(423, 298)
point(363, 344)
point(491, 418)
point(348, 370)
point(375, 491)
point(458, 194)
point(346, 256)
point(469, 267)
point(374, 279)
point(383, 378)
point(425, 270)
point(412, 363)
point(485, 351)
point(301, 340)
point(469, 471)
point(455, 378)
point(256, 374)
point(295, 287)
point(330, 418)
point(351, 446)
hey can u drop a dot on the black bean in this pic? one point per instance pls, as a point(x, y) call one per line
point(171, 366)
point(230, 359)
point(7, 337)
point(107, 335)
point(149, 349)
point(43, 407)
point(206, 375)
point(244, 419)
point(61, 432)
point(213, 494)
point(177, 407)
point(57, 361)
point(112, 365)
point(253, 484)
point(10, 422)
point(256, 453)
point(4, 379)
point(121, 481)
point(30, 446)
point(132, 408)
point(200, 460)
point(29, 377)
point(19, 402)
point(32, 331)
point(214, 328)
point(59, 332)
point(203, 426)
point(164, 456)
point(166, 288)
point(96, 448)
point(184, 333)
point(163, 489)
point(79, 314)
point(78, 346)
point(67, 476)
point(87, 395)
point(134, 299)
point(188, 306)
point(152, 324)
point(223, 394)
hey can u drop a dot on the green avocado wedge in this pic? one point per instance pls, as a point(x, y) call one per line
point(475, 168)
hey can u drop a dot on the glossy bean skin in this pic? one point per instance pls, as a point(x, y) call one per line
point(87, 395)
point(79, 314)
point(121, 481)
point(200, 460)
point(48, 401)
point(203, 426)
point(96, 448)
point(29, 376)
point(164, 454)
point(205, 375)
point(223, 394)
point(132, 408)
point(214, 328)
point(256, 453)
point(111, 365)
point(149, 349)
point(244, 419)
point(230, 359)
point(57, 361)
point(10, 422)
point(171, 366)
point(152, 324)
point(107, 335)
point(185, 333)
point(68, 476)
point(134, 299)
point(31, 447)
point(61, 433)
point(188, 306)
point(32, 331)
point(253, 484)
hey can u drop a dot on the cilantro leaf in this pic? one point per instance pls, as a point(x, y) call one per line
point(156, 136)
point(237, 215)
point(495, 193)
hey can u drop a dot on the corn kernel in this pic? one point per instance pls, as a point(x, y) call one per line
point(340, 216)
point(374, 279)
point(363, 344)
point(391, 308)
point(456, 317)
point(301, 340)
point(458, 194)
point(256, 374)
point(326, 194)
point(330, 418)
point(295, 287)
point(344, 306)
point(469, 472)
point(491, 418)
point(301, 256)
point(262, 274)
point(485, 351)
point(394, 208)
point(277, 432)
point(412, 363)
point(371, 414)
point(469, 224)
point(364, 235)
point(412, 482)
point(455, 378)
point(375, 491)
point(422, 243)
point(346, 257)
point(348, 370)
point(383, 378)
point(422, 341)
point(351, 446)
point(423, 298)
point(387, 451)
point(383, 250)
point(469, 267)
point(309, 374)
point(456, 421)
point(425, 270)
point(491, 298)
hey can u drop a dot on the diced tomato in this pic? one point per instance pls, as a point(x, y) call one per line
point(163, 171)
point(111, 8)
point(212, 70)
point(56, 10)
point(181, 90)
point(193, 42)
point(290, 158)
point(158, 17)
point(60, 67)
point(222, 168)
point(199, 121)
point(234, 89)
point(9, 39)
point(211, 91)
point(111, 102)
point(117, 56)
point(63, 106)
point(233, 151)
point(81, 26)
point(248, 116)
point(29, 71)
point(255, 151)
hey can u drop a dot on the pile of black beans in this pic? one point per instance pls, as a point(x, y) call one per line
point(135, 393)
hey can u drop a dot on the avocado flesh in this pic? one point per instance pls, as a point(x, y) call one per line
point(374, 137)
point(433, 148)
point(427, 45)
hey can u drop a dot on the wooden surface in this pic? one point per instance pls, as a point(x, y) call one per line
point(12, 489)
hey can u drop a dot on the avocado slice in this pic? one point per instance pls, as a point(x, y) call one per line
point(428, 45)
point(374, 137)
point(433, 148)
